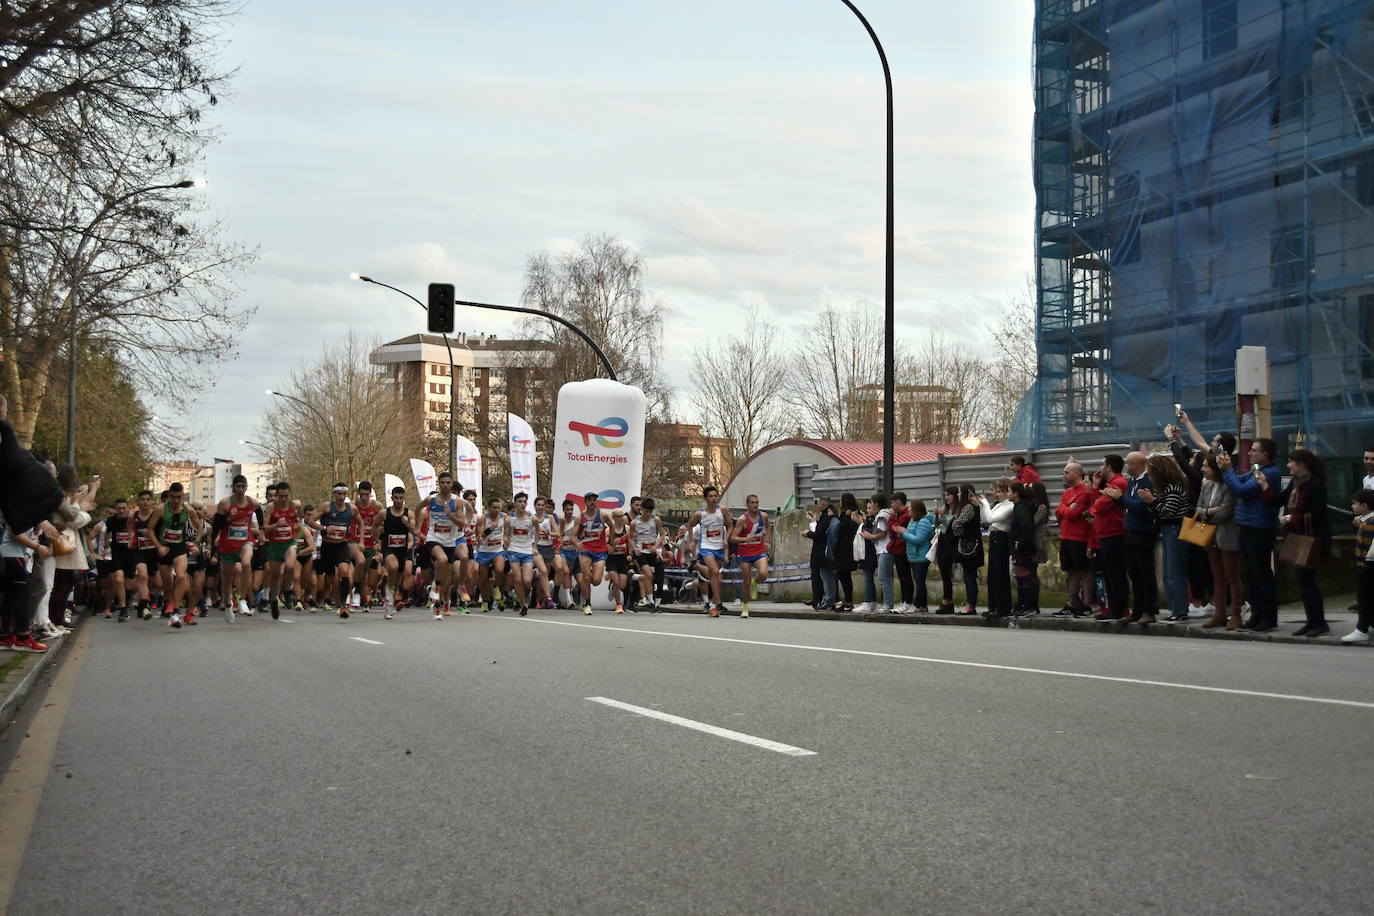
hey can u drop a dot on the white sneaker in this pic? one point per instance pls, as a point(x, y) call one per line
point(902, 608)
point(885, 609)
point(1195, 611)
point(228, 614)
point(1355, 636)
point(244, 609)
point(175, 622)
point(355, 600)
point(865, 608)
point(438, 615)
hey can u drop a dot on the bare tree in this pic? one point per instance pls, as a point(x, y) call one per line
point(359, 419)
point(101, 105)
point(599, 287)
point(836, 357)
point(739, 383)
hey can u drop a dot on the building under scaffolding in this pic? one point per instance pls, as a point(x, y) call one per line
point(1204, 175)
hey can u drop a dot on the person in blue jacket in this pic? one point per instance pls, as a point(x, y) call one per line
point(1258, 496)
point(918, 534)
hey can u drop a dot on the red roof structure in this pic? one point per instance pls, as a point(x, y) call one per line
point(851, 453)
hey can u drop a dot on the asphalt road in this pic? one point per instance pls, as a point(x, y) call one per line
point(459, 767)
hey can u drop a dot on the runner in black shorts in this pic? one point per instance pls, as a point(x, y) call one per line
point(144, 553)
point(120, 533)
point(393, 530)
point(172, 530)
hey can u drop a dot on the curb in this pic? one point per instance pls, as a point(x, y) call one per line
point(1068, 624)
point(18, 692)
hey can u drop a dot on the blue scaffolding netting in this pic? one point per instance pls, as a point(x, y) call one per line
point(1204, 175)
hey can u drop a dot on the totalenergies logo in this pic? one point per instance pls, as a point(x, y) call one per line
point(519, 444)
point(520, 477)
point(468, 462)
point(608, 432)
point(606, 499)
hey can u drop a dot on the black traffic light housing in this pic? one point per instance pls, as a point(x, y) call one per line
point(441, 308)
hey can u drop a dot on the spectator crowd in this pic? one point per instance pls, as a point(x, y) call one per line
point(1209, 521)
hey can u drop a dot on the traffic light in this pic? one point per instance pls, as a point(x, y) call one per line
point(441, 308)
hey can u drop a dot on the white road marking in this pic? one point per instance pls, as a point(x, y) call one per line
point(284, 620)
point(370, 642)
point(716, 730)
point(1329, 701)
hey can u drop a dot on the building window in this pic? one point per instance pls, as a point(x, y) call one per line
point(1366, 313)
point(1218, 27)
point(1293, 93)
point(1291, 256)
point(1364, 180)
point(436, 426)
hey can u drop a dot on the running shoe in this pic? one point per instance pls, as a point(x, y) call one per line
point(228, 613)
point(190, 618)
point(146, 613)
point(175, 622)
point(388, 613)
point(744, 610)
point(438, 615)
point(27, 643)
point(524, 610)
point(244, 609)
point(711, 612)
point(587, 609)
point(620, 609)
point(448, 609)
point(276, 609)
point(123, 614)
point(343, 612)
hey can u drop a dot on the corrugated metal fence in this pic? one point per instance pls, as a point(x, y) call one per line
point(926, 479)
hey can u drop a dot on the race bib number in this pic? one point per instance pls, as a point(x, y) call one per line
point(335, 532)
point(171, 536)
point(442, 529)
point(238, 532)
point(520, 532)
point(395, 540)
point(122, 538)
point(713, 532)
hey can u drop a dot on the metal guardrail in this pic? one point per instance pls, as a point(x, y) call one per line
point(925, 480)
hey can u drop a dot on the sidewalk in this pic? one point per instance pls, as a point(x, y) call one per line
point(1291, 617)
point(22, 680)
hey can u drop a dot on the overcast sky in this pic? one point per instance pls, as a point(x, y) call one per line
point(737, 145)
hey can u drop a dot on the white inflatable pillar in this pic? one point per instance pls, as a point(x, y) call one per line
point(598, 443)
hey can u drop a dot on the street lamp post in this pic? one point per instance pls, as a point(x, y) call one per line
point(600, 354)
point(329, 429)
point(73, 280)
point(889, 345)
point(452, 376)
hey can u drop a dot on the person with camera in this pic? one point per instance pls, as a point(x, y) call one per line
point(1257, 513)
point(1109, 536)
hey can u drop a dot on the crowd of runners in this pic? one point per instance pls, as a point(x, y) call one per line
point(182, 560)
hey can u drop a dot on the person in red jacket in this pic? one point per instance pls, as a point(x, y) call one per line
point(1075, 530)
point(1109, 520)
point(1020, 470)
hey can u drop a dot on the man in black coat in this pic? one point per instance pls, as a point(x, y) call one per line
point(28, 493)
point(820, 556)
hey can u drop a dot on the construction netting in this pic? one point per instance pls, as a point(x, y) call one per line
point(1205, 180)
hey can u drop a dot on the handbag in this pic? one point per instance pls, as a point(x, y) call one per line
point(932, 555)
point(1196, 531)
point(1301, 550)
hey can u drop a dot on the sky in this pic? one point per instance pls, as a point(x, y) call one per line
point(738, 147)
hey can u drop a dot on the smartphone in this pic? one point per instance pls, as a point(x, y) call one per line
point(1178, 411)
point(1258, 472)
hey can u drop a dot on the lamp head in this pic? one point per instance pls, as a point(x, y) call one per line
point(971, 443)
